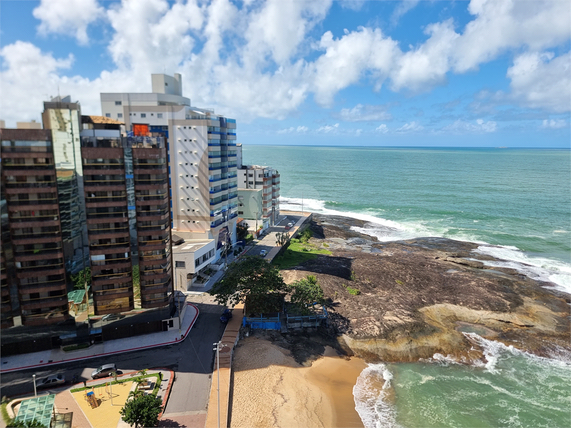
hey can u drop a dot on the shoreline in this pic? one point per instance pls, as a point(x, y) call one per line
point(369, 227)
point(272, 389)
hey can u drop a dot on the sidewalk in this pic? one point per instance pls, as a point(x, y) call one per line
point(110, 347)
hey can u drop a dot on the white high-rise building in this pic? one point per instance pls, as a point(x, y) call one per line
point(202, 156)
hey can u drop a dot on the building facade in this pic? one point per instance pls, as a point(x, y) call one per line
point(35, 253)
point(267, 179)
point(127, 204)
point(202, 156)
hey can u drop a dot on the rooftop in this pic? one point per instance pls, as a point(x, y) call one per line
point(100, 120)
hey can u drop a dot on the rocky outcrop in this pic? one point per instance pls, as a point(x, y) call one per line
point(406, 300)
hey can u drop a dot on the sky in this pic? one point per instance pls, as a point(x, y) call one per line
point(487, 73)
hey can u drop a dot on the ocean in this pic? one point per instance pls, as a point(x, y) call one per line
point(515, 203)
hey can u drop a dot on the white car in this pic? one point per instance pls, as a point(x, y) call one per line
point(51, 381)
point(263, 253)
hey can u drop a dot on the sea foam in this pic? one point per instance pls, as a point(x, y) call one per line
point(538, 268)
point(370, 397)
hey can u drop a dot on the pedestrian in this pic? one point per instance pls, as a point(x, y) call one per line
point(85, 384)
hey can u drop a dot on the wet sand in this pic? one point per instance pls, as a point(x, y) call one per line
point(270, 389)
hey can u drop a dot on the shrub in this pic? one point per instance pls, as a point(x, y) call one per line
point(353, 291)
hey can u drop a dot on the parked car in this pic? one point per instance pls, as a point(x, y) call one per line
point(51, 381)
point(263, 253)
point(226, 316)
point(103, 371)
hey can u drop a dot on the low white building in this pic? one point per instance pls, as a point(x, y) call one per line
point(191, 258)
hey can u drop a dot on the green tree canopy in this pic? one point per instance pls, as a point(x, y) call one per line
point(305, 292)
point(81, 277)
point(142, 411)
point(252, 276)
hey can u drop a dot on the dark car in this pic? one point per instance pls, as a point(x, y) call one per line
point(51, 381)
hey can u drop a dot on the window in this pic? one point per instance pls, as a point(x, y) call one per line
point(160, 115)
point(117, 103)
point(107, 114)
point(143, 114)
point(180, 264)
point(119, 115)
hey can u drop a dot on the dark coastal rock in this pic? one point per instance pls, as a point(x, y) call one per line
point(412, 299)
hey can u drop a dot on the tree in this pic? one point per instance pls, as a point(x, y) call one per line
point(242, 232)
point(282, 238)
point(252, 276)
point(142, 411)
point(306, 236)
point(305, 292)
point(81, 277)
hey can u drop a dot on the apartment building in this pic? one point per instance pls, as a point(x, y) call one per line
point(34, 251)
point(201, 154)
point(63, 118)
point(127, 204)
point(268, 180)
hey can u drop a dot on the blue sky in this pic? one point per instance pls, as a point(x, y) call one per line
point(347, 72)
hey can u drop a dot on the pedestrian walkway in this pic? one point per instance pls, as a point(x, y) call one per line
point(218, 409)
point(58, 356)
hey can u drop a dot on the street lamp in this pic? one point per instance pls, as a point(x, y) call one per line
point(35, 390)
point(218, 345)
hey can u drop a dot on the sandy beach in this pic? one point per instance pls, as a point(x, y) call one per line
point(270, 389)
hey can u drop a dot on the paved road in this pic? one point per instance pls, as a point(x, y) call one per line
point(269, 240)
point(191, 360)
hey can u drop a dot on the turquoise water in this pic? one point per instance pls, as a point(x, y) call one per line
point(515, 203)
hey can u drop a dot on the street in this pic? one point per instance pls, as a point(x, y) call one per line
point(191, 360)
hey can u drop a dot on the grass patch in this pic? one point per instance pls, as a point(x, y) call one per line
point(296, 254)
point(128, 379)
point(5, 416)
point(75, 347)
point(353, 291)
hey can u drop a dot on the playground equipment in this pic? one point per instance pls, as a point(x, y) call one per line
point(90, 397)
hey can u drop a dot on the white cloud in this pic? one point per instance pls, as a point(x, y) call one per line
point(29, 78)
point(464, 127)
point(346, 59)
point(382, 128)
point(401, 9)
point(422, 68)
point(68, 16)
point(507, 24)
point(328, 129)
point(151, 37)
point(364, 113)
point(410, 127)
point(542, 81)
point(355, 5)
point(299, 129)
point(278, 28)
point(554, 123)
point(260, 58)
